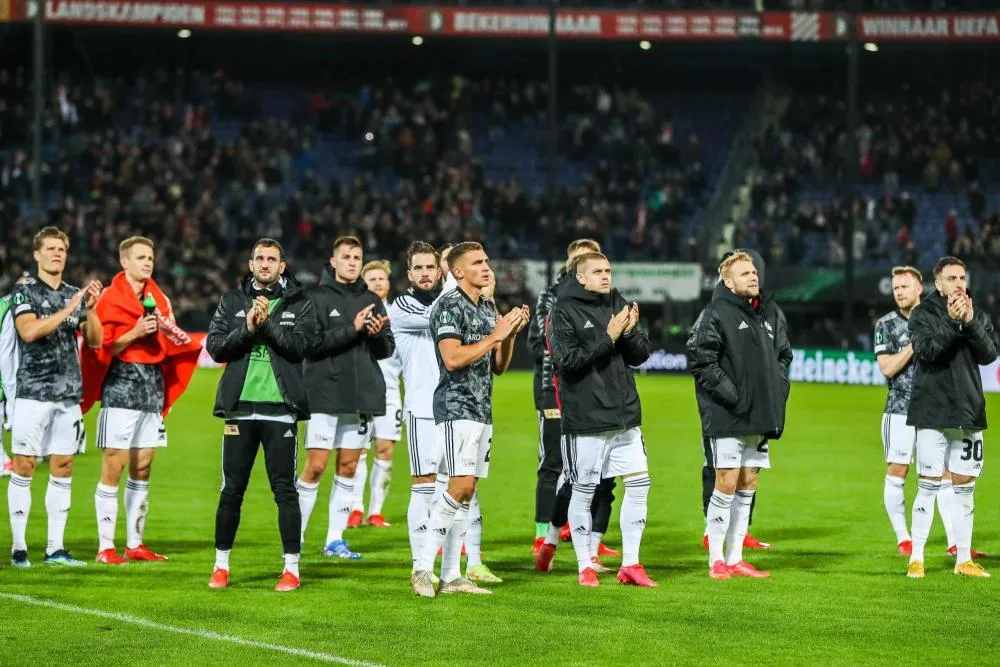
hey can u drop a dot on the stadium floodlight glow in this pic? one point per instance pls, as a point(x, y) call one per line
point(645, 45)
point(871, 47)
point(184, 33)
point(417, 40)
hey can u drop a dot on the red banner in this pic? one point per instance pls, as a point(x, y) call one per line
point(512, 23)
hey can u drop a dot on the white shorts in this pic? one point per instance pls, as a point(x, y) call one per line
point(596, 456)
point(749, 451)
point(338, 432)
point(390, 425)
point(118, 428)
point(46, 429)
point(466, 448)
point(959, 451)
point(898, 439)
point(426, 448)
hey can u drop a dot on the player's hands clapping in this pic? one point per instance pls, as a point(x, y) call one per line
point(618, 323)
point(92, 292)
point(361, 319)
point(258, 314)
point(633, 318)
point(960, 307)
point(506, 325)
point(525, 318)
point(375, 323)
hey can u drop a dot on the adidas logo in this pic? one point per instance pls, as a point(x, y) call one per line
point(334, 313)
point(920, 510)
point(441, 531)
point(744, 325)
point(46, 304)
point(421, 529)
point(588, 325)
point(719, 519)
point(242, 313)
point(289, 434)
point(107, 519)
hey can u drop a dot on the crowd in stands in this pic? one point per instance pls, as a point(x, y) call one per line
point(143, 156)
point(927, 166)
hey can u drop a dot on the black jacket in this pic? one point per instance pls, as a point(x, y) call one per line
point(947, 388)
point(288, 333)
point(545, 392)
point(596, 384)
point(740, 356)
point(342, 371)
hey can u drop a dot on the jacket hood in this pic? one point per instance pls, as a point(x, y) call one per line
point(574, 290)
point(329, 279)
point(564, 280)
point(287, 285)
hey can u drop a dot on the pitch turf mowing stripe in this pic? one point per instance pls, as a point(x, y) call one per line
point(193, 632)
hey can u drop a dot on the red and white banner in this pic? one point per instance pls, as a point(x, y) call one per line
point(517, 23)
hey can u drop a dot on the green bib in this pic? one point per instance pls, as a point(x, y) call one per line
point(260, 385)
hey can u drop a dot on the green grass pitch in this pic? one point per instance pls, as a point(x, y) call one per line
point(838, 593)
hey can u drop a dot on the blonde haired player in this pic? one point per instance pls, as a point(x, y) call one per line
point(387, 428)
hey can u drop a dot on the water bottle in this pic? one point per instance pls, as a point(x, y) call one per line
point(148, 305)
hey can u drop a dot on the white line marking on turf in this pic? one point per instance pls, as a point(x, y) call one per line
point(193, 632)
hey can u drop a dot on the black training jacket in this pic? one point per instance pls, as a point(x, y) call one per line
point(947, 387)
point(342, 371)
point(596, 383)
point(739, 355)
point(288, 333)
point(544, 380)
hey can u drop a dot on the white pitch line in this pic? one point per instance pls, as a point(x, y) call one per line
point(193, 632)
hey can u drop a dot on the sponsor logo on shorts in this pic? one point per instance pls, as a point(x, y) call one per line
point(553, 414)
point(231, 429)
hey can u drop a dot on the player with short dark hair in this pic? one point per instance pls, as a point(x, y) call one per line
point(261, 331)
point(951, 339)
point(47, 417)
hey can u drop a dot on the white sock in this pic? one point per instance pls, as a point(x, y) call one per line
point(291, 563)
point(895, 506)
point(360, 480)
point(946, 508)
point(136, 509)
point(552, 537)
point(222, 559)
point(923, 516)
point(3, 452)
point(632, 518)
point(381, 476)
point(474, 534)
point(963, 517)
point(580, 519)
point(418, 514)
point(307, 501)
point(440, 485)
point(595, 541)
point(451, 552)
point(106, 505)
point(58, 498)
point(341, 500)
point(442, 517)
point(738, 523)
point(720, 509)
point(19, 507)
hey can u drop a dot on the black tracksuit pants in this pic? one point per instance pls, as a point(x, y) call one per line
point(552, 505)
point(708, 479)
point(240, 443)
